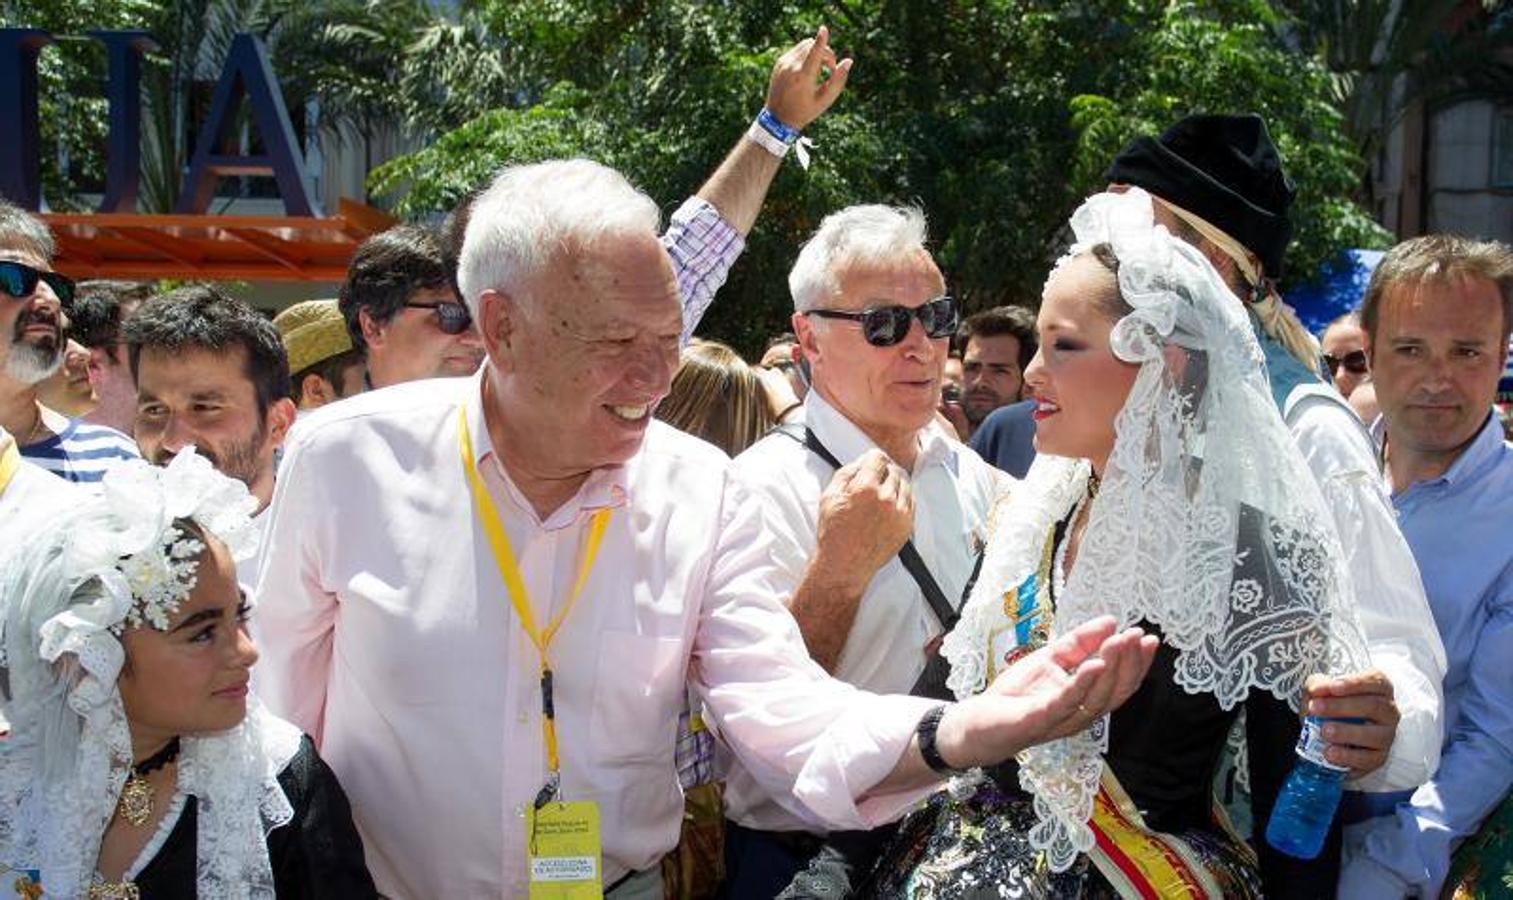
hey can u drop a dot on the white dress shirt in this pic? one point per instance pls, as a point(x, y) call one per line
point(1390, 600)
point(29, 502)
point(33, 498)
point(247, 569)
point(387, 634)
point(954, 490)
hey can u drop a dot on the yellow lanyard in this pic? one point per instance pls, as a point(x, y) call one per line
point(10, 462)
point(509, 570)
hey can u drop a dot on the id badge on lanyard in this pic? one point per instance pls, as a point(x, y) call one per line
point(564, 853)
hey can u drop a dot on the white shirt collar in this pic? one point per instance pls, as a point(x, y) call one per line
point(848, 442)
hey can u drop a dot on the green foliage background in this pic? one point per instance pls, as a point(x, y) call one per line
point(994, 116)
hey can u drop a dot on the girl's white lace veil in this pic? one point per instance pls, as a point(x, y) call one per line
point(1207, 524)
point(65, 595)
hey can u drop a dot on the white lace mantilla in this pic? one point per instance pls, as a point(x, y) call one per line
point(57, 826)
point(1207, 522)
point(63, 596)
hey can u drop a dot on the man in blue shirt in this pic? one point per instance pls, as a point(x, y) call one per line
point(1006, 438)
point(1438, 313)
point(997, 346)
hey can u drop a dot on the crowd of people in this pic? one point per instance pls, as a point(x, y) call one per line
point(488, 578)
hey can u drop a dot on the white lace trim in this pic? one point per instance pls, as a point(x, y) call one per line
point(70, 746)
point(1012, 555)
point(1207, 524)
point(234, 778)
point(232, 775)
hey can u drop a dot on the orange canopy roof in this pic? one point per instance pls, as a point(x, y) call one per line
point(212, 248)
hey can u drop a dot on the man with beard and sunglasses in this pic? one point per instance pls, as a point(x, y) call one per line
point(870, 467)
point(211, 373)
point(33, 304)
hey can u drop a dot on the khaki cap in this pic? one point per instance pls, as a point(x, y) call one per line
point(313, 331)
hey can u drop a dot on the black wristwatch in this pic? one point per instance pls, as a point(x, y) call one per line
point(925, 731)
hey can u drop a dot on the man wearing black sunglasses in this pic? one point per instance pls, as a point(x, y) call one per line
point(1344, 343)
point(874, 320)
point(34, 301)
point(402, 311)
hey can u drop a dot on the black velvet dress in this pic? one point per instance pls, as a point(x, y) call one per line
point(317, 854)
point(1165, 747)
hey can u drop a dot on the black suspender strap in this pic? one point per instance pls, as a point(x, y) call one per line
point(907, 554)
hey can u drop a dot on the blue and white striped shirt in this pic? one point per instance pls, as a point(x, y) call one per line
point(82, 452)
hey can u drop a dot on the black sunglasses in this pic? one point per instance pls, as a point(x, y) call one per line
point(20, 281)
point(1354, 362)
point(451, 317)
point(884, 326)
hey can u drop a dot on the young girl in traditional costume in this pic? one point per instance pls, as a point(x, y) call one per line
point(1168, 494)
point(138, 764)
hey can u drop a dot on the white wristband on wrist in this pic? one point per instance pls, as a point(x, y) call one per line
point(766, 140)
point(759, 135)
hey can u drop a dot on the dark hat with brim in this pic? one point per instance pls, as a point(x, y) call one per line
point(1222, 168)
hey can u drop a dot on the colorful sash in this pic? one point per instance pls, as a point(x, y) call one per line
point(1151, 865)
point(1138, 862)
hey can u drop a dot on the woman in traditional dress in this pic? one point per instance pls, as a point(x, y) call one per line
point(138, 764)
point(1167, 493)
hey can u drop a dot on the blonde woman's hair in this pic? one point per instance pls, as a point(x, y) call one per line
point(716, 396)
point(1255, 287)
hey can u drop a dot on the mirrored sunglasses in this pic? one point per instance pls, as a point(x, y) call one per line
point(1354, 362)
point(884, 326)
point(451, 318)
point(20, 281)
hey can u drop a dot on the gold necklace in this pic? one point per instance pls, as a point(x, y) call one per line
point(114, 890)
point(135, 805)
point(37, 428)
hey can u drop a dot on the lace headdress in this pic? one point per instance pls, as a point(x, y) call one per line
point(118, 560)
point(1207, 522)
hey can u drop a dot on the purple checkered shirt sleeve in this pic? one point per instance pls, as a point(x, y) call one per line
point(703, 247)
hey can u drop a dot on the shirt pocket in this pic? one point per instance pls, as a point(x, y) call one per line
point(638, 693)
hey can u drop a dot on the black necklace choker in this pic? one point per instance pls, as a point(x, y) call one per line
point(158, 760)
point(135, 804)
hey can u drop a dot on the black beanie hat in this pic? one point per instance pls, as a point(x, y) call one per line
point(1222, 168)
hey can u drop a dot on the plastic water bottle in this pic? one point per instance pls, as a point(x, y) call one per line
point(1305, 808)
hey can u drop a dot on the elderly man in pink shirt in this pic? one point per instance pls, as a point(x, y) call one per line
point(484, 596)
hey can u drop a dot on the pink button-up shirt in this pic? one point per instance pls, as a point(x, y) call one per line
point(387, 634)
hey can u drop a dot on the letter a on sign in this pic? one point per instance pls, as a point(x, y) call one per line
point(247, 74)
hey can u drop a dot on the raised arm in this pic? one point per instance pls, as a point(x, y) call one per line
point(805, 82)
point(708, 232)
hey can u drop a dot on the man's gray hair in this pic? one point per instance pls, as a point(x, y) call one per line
point(533, 212)
point(20, 230)
point(866, 235)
